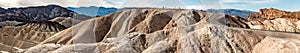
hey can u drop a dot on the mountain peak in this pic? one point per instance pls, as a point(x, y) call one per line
point(54, 5)
point(39, 7)
point(271, 10)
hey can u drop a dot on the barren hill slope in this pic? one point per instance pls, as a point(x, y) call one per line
point(141, 30)
point(27, 34)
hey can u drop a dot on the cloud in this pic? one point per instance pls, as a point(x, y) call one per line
point(85, 3)
point(153, 3)
point(195, 7)
point(64, 3)
point(248, 1)
point(205, 4)
point(211, 4)
point(7, 3)
point(246, 4)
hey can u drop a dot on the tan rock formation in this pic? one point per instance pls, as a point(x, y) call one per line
point(271, 14)
point(276, 20)
point(174, 31)
point(27, 35)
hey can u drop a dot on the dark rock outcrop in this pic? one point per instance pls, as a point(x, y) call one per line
point(2, 10)
point(38, 13)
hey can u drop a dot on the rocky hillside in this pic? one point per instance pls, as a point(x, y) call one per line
point(276, 20)
point(25, 35)
point(271, 14)
point(38, 13)
point(12, 16)
point(143, 30)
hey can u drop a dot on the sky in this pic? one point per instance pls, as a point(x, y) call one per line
point(253, 5)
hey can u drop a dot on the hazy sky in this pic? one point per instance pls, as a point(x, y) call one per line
point(254, 5)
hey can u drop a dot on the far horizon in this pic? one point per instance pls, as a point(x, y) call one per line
point(252, 5)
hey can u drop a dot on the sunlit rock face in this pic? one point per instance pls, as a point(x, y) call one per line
point(151, 30)
point(271, 14)
point(276, 20)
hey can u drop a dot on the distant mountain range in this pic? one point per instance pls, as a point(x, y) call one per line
point(100, 11)
point(232, 12)
point(14, 16)
point(41, 13)
point(93, 11)
point(46, 13)
point(38, 13)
